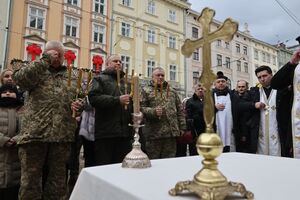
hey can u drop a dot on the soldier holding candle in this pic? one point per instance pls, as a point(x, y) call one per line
point(163, 115)
point(107, 96)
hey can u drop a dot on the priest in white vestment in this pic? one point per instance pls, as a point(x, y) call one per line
point(268, 135)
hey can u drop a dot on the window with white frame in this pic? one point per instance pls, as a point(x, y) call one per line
point(227, 45)
point(125, 29)
point(238, 66)
point(150, 67)
point(195, 77)
point(263, 56)
point(246, 67)
point(73, 2)
point(195, 32)
point(99, 34)
point(245, 50)
point(36, 18)
point(238, 48)
point(219, 43)
point(151, 7)
point(268, 58)
point(151, 35)
point(227, 62)
point(219, 59)
point(196, 54)
point(126, 3)
point(125, 62)
point(172, 42)
point(256, 54)
point(274, 60)
point(172, 15)
point(173, 72)
point(71, 26)
point(99, 6)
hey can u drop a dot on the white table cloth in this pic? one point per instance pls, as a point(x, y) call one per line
point(268, 177)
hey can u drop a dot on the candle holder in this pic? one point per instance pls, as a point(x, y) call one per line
point(136, 158)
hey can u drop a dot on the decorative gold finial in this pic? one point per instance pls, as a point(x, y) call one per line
point(209, 183)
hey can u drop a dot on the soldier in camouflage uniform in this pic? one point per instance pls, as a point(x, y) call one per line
point(164, 117)
point(47, 125)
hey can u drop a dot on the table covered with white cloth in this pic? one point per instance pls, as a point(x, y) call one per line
point(268, 177)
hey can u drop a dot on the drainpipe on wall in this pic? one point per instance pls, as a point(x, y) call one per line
point(7, 35)
point(112, 26)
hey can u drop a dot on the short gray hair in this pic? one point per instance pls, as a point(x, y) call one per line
point(56, 45)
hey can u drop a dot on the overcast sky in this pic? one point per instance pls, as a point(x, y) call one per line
point(267, 21)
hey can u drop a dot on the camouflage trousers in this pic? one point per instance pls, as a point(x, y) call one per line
point(33, 157)
point(161, 148)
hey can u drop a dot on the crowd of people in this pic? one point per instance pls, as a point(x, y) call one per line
point(40, 137)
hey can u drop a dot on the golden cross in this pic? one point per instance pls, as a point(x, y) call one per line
point(226, 33)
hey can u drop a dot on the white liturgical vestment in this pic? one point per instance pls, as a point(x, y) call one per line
point(296, 113)
point(224, 121)
point(268, 139)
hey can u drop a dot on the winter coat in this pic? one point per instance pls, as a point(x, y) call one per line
point(111, 118)
point(48, 115)
point(10, 171)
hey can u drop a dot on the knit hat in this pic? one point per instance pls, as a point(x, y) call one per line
point(220, 75)
point(8, 87)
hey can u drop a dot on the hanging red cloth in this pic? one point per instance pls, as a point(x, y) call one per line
point(34, 50)
point(98, 61)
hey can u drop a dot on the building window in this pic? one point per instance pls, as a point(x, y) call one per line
point(173, 72)
point(238, 66)
point(172, 42)
point(151, 7)
point(268, 58)
point(99, 6)
point(71, 26)
point(151, 36)
point(227, 62)
point(125, 29)
point(227, 45)
point(246, 67)
point(245, 50)
point(196, 54)
point(238, 48)
point(36, 18)
point(263, 57)
point(195, 32)
point(274, 60)
point(256, 54)
point(125, 62)
point(126, 3)
point(195, 77)
point(219, 43)
point(219, 60)
point(99, 34)
point(172, 15)
point(150, 67)
point(73, 2)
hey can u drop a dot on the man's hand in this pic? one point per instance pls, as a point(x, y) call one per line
point(54, 55)
point(77, 105)
point(11, 142)
point(296, 57)
point(260, 105)
point(125, 99)
point(220, 106)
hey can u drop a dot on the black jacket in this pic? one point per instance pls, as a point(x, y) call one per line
point(111, 118)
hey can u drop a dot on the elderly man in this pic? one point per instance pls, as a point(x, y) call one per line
point(107, 96)
point(164, 116)
point(47, 125)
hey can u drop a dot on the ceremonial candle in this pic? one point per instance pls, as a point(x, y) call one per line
point(132, 74)
point(155, 88)
point(79, 79)
point(69, 75)
point(89, 81)
point(168, 89)
point(126, 79)
point(161, 89)
point(136, 94)
point(118, 77)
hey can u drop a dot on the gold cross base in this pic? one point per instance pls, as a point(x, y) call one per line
point(211, 193)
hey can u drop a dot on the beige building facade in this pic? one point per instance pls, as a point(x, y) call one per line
point(82, 26)
point(149, 34)
point(4, 30)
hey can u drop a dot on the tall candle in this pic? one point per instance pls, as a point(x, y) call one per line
point(79, 80)
point(126, 79)
point(90, 73)
point(161, 89)
point(69, 75)
point(136, 94)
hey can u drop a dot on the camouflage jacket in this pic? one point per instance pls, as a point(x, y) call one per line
point(47, 111)
point(171, 122)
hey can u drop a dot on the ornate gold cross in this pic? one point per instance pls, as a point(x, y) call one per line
point(226, 33)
